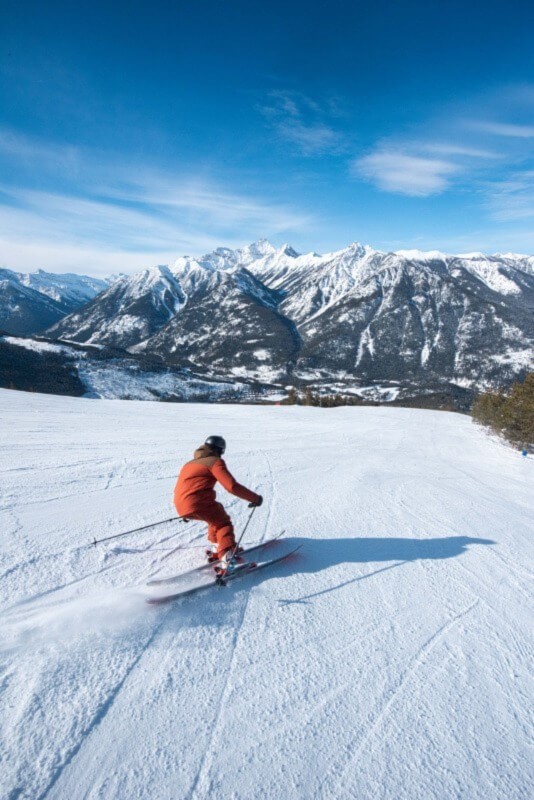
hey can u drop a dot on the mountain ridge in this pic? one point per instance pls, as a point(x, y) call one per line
point(274, 315)
point(346, 318)
point(31, 302)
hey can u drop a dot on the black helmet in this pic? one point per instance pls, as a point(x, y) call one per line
point(216, 443)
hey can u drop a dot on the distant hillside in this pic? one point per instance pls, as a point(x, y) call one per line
point(31, 302)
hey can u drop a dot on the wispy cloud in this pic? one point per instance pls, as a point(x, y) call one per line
point(54, 231)
point(311, 139)
point(449, 149)
point(513, 199)
point(23, 255)
point(29, 150)
point(420, 168)
point(104, 205)
point(505, 129)
point(204, 201)
point(456, 149)
point(398, 172)
point(303, 122)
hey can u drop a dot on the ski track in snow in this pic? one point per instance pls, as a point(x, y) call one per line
point(392, 695)
point(99, 716)
point(389, 660)
point(199, 787)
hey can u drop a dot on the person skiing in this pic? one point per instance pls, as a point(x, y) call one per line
point(194, 495)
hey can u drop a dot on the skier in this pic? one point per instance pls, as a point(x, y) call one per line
point(194, 496)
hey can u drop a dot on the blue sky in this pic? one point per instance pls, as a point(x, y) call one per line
point(135, 132)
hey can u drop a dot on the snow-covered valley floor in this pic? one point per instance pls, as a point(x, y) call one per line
point(389, 659)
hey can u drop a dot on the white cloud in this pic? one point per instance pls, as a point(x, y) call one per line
point(303, 122)
point(505, 129)
point(45, 222)
point(59, 232)
point(108, 208)
point(513, 199)
point(29, 151)
point(204, 200)
point(464, 147)
point(446, 149)
point(399, 172)
point(23, 255)
point(311, 139)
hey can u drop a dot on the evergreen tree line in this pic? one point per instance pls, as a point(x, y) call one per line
point(309, 398)
point(510, 413)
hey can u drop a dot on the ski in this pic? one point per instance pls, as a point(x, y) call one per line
point(209, 566)
point(241, 570)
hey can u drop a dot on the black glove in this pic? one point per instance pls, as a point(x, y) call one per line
point(258, 502)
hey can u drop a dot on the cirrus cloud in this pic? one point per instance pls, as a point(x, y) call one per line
point(402, 173)
point(103, 205)
point(303, 122)
point(505, 129)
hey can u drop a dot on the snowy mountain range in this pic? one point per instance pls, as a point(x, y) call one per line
point(31, 302)
point(262, 315)
point(356, 315)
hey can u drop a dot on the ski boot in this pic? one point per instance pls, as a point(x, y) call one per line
point(229, 562)
point(212, 554)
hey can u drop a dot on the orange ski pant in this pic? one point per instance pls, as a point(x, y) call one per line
point(220, 528)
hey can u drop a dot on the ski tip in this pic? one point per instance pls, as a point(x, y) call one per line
point(294, 552)
point(157, 601)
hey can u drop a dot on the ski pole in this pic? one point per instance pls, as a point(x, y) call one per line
point(134, 530)
point(244, 530)
point(220, 578)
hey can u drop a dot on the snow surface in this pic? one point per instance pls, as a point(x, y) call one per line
point(35, 345)
point(129, 382)
point(116, 379)
point(389, 660)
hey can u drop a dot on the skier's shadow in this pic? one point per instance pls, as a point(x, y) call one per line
point(316, 555)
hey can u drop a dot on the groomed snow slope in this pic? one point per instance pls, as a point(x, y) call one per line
point(388, 660)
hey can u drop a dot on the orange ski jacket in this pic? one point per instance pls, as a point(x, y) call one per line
point(194, 487)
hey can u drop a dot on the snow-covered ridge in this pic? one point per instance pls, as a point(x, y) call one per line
point(369, 314)
point(31, 302)
point(62, 287)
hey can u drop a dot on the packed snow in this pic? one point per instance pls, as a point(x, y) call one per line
point(389, 659)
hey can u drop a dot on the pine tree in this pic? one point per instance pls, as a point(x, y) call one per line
point(510, 414)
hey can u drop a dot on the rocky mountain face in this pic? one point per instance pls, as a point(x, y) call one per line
point(350, 317)
point(200, 314)
point(31, 302)
point(128, 312)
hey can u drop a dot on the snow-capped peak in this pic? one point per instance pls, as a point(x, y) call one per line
point(356, 248)
point(287, 250)
point(259, 249)
point(148, 278)
point(421, 255)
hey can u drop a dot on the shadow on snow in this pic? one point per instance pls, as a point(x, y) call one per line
point(316, 555)
point(319, 554)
